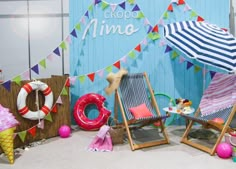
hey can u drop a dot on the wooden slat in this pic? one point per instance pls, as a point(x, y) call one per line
point(8, 99)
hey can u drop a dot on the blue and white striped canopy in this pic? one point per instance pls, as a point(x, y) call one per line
point(204, 42)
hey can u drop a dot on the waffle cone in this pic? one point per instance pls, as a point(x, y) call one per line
point(6, 142)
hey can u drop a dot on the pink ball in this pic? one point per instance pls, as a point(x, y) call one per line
point(64, 131)
point(224, 150)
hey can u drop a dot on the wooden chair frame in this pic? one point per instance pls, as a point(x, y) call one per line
point(126, 123)
point(210, 125)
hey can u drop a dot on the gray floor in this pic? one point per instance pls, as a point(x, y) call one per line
point(72, 153)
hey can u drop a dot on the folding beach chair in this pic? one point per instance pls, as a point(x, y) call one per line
point(137, 109)
point(218, 101)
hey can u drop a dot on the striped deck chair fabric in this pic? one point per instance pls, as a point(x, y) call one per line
point(218, 101)
point(135, 90)
point(220, 94)
point(133, 93)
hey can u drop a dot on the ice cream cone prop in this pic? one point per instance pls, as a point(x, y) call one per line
point(6, 142)
point(8, 124)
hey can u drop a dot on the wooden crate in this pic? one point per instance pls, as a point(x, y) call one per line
point(8, 99)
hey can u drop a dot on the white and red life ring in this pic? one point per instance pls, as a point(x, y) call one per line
point(79, 112)
point(21, 100)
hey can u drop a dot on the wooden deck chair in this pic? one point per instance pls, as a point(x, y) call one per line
point(218, 101)
point(133, 91)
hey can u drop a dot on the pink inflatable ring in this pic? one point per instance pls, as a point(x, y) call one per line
point(79, 112)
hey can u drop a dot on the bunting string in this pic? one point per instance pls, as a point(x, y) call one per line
point(152, 35)
point(32, 130)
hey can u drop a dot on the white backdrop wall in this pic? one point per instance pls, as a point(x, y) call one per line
point(30, 31)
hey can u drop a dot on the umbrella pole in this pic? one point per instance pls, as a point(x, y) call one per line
point(204, 78)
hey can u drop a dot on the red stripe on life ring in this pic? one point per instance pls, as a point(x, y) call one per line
point(47, 91)
point(28, 88)
point(45, 109)
point(24, 110)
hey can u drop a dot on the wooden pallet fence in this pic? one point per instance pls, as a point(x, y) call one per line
point(8, 99)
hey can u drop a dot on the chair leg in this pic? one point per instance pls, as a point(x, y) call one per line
point(125, 122)
point(133, 145)
point(185, 135)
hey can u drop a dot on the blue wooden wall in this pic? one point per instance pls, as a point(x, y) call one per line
point(96, 52)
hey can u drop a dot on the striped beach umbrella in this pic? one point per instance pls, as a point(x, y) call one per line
point(204, 42)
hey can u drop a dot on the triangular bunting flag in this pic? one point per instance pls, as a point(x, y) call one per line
point(83, 21)
point(104, 5)
point(113, 7)
point(150, 35)
point(149, 29)
point(212, 74)
point(168, 49)
point(174, 55)
point(132, 55)
point(26, 75)
point(64, 92)
point(189, 65)
point(100, 72)
point(166, 15)
point(162, 42)
point(109, 69)
point(7, 85)
point(42, 63)
point(50, 57)
point(187, 8)
point(181, 59)
point(124, 59)
point(156, 36)
point(87, 14)
point(193, 14)
point(161, 22)
point(54, 109)
point(63, 45)
point(17, 79)
point(35, 69)
point(72, 80)
point(197, 69)
point(73, 33)
point(122, 5)
point(32, 131)
point(59, 101)
point(90, 8)
point(138, 48)
point(78, 27)
point(117, 64)
point(140, 15)
point(68, 39)
point(57, 51)
point(22, 136)
point(155, 29)
point(48, 117)
point(200, 19)
point(136, 8)
point(146, 21)
point(170, 8)
point(144, 41)
point(82, 78)
point(91, 76)
point(41, 124)
point(97, 2)
point(67, 82)
point(131, 2)
point(181, 2)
